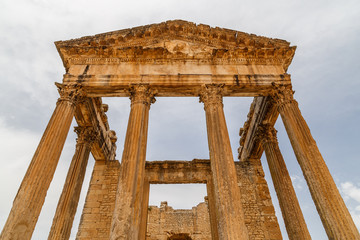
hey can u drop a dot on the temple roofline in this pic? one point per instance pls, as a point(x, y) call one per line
point(123, 43)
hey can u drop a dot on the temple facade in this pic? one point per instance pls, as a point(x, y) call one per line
point(177, 59)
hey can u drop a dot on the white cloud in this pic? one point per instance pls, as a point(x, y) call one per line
point(298, 182)
point(350, 190)
point(351, 193)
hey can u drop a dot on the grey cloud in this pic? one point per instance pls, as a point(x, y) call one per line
point(324, 72)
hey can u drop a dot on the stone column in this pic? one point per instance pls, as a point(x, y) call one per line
point(31, 194)
point(290, 208)
point(212, 208)
point(126, 219)
point(230, 215)
point(144, 209)
point(68, 202)
point(334, 215)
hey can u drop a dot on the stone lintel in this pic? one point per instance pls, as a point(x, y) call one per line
point(262, 110)
point(174, 172)
point(178, 85)
point(92, 113)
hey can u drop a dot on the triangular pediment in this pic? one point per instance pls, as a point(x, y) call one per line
point(176, 41)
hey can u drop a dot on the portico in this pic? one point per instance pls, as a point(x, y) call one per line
point(177, 59)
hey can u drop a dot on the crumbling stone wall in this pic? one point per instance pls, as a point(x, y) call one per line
point(166, 223)
point(100, 202)
point(260, 218)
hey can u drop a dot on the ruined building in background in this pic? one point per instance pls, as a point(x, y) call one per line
point(173, 59)
point(178, 224)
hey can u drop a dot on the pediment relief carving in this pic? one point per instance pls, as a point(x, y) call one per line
point(184, 48)
point(175, 40)
point(183, 30)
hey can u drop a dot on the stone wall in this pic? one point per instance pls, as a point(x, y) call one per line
point(166, 223)
point(100, 202)
point(259, 211)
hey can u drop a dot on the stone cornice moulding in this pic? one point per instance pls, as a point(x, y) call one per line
point(175, 40)
point(85, 60)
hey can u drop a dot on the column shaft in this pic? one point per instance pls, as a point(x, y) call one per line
point(212, 209)
point(144, 210)
point(126, 218)
point(231, 224)
point(290, 208)
point(331, 207)
point(31, 194)
point(68, 202)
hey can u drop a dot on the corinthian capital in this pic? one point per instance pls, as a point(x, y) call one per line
point(86, 135)
point(72, 93)
point(266, 133)
point(141, 93)
point(211, 95)
point(282, 95)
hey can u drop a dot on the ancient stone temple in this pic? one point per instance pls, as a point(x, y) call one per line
point(173, 59)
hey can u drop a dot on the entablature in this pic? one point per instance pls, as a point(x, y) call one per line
point(180, 172)
point(176, 58)
point(173, 172)
point(175, 41)
point(92, 113)
point(187, 85)
point(262, 111)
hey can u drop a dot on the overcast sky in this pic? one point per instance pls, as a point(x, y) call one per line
point(325, 75)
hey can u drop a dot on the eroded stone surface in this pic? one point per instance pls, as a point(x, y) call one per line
point(259, 213)
point(167, 223)
point(177, 58)
point(100, 202)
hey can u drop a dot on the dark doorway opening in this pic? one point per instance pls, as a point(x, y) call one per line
point(180, 236)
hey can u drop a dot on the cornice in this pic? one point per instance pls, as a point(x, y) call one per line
point(178, 29)
point(161, 55)
point(147, 43)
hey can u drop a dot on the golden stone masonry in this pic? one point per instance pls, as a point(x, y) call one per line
point(173, 59)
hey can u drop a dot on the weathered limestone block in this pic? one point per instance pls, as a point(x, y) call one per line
point(177, 58)
point(259, 211)
point(166, 223)
point(100, 202)
point(260, 218)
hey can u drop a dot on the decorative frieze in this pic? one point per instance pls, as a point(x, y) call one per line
point(170, 59)
point(176, 41)
point(176, 28)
